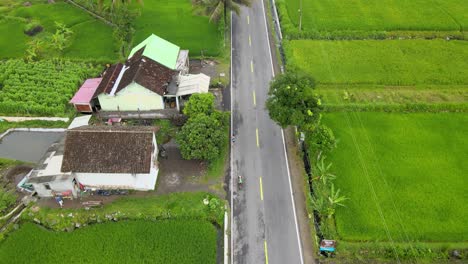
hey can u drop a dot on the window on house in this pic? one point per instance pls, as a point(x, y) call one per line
point(47, 186)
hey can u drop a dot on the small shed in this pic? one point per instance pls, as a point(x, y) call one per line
point(83, 98)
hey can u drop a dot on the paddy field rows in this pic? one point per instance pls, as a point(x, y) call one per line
point(394, 84)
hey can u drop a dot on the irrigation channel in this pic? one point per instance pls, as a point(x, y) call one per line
point(28, 146)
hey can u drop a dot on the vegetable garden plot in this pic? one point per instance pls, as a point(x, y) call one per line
point(41, 88)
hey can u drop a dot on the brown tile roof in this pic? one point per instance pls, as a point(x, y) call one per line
point(108, 149)
point(142, 70)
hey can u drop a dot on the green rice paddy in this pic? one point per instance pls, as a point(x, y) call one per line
point(405, 175)
point(388, 62)
point(385, 15)
point(174, 20)
point(172, 241)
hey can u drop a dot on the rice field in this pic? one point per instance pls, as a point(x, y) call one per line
point(376, 15)
point(175, 21)
point(388, 62)
point(172, 241)
point(91, 39)
point(404, 174)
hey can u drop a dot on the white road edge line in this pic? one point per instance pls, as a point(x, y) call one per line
point(284, 143)
point(232, 163)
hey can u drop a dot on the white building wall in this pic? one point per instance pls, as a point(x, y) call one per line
point(143, 182)
point(56, 186)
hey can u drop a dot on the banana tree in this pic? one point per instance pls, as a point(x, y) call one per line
point(322, 171)
point(335, 199)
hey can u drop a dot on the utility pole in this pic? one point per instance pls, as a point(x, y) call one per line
point(300, 15)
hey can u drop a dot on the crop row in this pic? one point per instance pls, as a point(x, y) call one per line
point(40, 88)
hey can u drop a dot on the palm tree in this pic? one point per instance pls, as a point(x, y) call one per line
point(216, 8)
point(117, 3)
point(322, 171)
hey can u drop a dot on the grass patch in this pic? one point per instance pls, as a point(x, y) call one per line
point(175, 241)
point(410, 167)
point(166, 132)
point(394, 98)
point(389, 62)
point(385, 15)
point(176, 22)
point(4, 125)
point(13, 40)
point(162, 207)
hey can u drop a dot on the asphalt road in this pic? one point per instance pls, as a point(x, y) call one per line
point(264, 227)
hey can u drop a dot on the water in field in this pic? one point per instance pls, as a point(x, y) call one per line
point(27, 146)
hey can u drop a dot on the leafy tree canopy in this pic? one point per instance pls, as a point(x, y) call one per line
point(202, 137)
point(321, 139)
point(292, 101)
point(200, 104)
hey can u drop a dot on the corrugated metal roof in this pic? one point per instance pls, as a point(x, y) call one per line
point(86, 91)
point(193, 83)
point(159, 50)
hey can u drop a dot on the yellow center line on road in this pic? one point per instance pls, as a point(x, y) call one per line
point(251, 66)
point(261, 189)
point(266, 252)
point(256, 132)
point(250, 41)
point(254, 98)
point(248, 20)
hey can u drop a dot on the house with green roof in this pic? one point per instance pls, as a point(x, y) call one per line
point(154, 77)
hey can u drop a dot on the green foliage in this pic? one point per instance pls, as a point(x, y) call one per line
point(170, 241)
point(40, 88)
point(292, 101)
point(217, 8)
point(409, 167)
point(200, 104)
point(61, 37)
point(357, 19)
point(322, 172)
point(321, 139)
point(389, 62)
point(166, 131)
point(202, 137)
point(184, 206)
point(7, 199)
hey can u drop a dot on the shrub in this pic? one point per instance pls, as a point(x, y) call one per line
point(202, 137)
point(7, 199)
point(200, 104)
point(321, 139)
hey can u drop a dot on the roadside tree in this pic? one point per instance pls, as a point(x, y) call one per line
point(292, 101)
point(200, 104)
point(201, 137)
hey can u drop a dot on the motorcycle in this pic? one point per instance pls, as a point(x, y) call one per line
point(240, 181)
